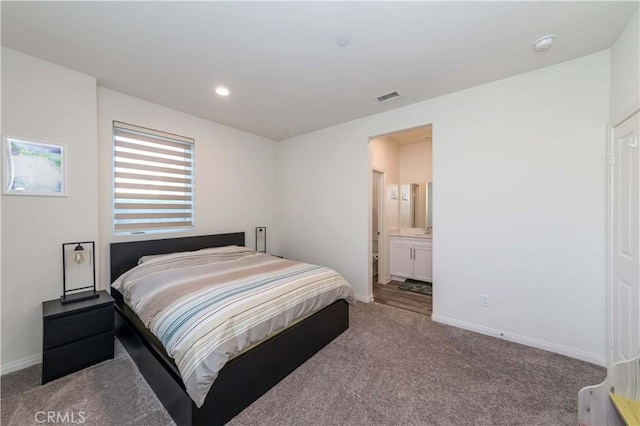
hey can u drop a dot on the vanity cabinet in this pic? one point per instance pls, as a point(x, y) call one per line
point(411, 257)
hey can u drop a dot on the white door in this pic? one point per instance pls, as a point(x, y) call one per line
point(422, 263)
point(625, 261)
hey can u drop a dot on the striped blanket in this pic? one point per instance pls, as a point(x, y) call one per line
point(207, 306)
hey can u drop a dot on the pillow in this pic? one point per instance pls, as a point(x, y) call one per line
point(149, 257)
point(210, 250)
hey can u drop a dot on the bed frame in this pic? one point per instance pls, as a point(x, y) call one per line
point(243, 379)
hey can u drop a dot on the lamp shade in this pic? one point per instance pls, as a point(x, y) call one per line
point(261, 239)
point(78, 272)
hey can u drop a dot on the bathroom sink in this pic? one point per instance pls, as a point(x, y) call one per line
point(413, 231)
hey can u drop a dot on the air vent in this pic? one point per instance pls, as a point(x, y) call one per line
point(388, 97)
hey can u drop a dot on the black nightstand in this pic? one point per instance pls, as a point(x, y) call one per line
point(76, 335)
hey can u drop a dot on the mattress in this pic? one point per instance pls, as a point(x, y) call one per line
point(208, 306)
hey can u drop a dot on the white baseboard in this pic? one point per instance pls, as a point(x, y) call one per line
point(528, 341)
point(365, 299)
point(20, 364)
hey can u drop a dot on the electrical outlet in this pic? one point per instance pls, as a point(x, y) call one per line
point(484, 300)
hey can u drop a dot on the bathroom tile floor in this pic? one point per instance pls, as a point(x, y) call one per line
point(389, 294)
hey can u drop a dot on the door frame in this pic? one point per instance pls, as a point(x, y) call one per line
point(382, 229)
point(610, 320)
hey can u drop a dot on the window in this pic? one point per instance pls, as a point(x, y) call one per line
point(153, 181)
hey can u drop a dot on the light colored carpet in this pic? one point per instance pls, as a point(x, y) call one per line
point(110, 393)
point(392, 367)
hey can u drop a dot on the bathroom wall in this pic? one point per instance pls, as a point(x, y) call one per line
point(415, 162)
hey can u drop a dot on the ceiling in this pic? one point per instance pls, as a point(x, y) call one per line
point(281, 61)
point(411, 136)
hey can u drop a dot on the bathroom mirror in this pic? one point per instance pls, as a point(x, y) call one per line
point(416, 209)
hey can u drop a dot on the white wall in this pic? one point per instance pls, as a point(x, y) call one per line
point(235, 179)
point(385, 157)
point(519, 208)
point(45, 102)
point(415, 162)
point(235, 186)
point(625, 71)
point(520, 199)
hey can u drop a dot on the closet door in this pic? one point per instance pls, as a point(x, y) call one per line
point(625, 260)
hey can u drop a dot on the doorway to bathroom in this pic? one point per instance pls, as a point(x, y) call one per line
point(402, 196)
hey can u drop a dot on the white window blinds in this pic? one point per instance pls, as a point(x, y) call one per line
point(153, 180)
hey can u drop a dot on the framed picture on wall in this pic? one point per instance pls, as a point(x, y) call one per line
point(33, 168)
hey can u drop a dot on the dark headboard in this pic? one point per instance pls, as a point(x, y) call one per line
point(124, 256)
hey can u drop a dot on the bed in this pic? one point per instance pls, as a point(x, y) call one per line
point(245, 377)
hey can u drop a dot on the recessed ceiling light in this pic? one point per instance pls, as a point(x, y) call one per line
point(222, 91)
point(342, 41)
point(544, 43)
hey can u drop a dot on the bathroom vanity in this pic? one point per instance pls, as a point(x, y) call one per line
point(411, 257)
